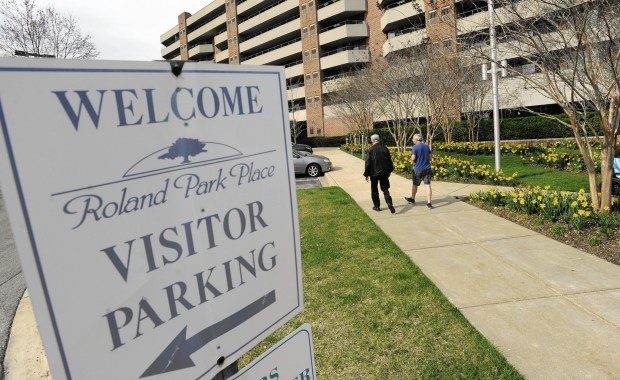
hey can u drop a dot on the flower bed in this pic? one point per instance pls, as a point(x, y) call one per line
point(455, 169)
point(562, 155)
point(559, 158)
point(574, 209)
point(477, 148)
point(446, 168)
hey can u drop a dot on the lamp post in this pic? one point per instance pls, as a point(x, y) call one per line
point(494, 79)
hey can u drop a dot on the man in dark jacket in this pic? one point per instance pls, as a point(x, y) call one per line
point(378, 168)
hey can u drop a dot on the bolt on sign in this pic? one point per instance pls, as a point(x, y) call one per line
point(154, 212)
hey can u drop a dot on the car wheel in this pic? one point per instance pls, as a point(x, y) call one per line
point(313, 170)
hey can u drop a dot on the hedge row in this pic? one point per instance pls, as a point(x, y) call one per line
point(519, 128)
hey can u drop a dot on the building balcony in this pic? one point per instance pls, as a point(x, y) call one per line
point(403, 41)
point(278, 12)
point(220, 39)
point(296, 93)
point(200, 51)
point(251, 6)
point(207, 29)
point(169, 34)
point(168, 50)
point(333, 84)
point(274, 36)
point(294, 71)
point(473, 22)
point(400, 15)
point(221, 56)
point(345, 57)
point(343, 34)
point(341, 9)
point(206, 12)
point(300, 115)
point(276, 55)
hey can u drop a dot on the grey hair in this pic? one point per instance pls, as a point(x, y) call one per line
point(375, 138)
point(417, 137)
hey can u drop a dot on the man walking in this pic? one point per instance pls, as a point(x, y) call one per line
point(421, 157)
point(378, 168)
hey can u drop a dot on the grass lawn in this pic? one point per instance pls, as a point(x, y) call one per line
point(373, 313)
point(532, 175)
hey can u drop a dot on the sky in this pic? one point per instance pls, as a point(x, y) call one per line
point(126, 29)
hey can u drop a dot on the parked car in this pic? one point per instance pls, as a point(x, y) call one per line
point(302, 147)
point(310, 164)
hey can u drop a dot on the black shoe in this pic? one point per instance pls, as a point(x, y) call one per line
point(411, 201)
point(392, 209)
point(377, 208)
point(430, 206)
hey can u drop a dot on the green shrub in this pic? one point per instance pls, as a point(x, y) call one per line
point(517, 128)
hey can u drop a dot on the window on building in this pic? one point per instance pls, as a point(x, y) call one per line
point(447, 44)
point(303, 9)
point(315, 77)
point(318, 131)
point(445, 13)
point(432, 17)
point(317, 100)
point(312, 29)
point(308, 79)
point(310, 4)
point(313, 53)
point(306, 55)
point(311, 130)
point(435, 48)
point(304, 32)
point(309, 102)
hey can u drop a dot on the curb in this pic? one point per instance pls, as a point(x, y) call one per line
point(25, 357)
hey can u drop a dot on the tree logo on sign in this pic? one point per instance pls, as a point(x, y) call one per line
point(184, 147)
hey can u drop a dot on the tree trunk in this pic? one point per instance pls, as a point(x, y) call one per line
point(588, 162)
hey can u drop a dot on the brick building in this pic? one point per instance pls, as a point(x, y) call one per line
point(317, 41)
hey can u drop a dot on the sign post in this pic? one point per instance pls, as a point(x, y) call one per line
point(154, 212)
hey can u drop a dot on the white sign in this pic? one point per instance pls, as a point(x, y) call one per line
point(155, 215)
point(291, 359)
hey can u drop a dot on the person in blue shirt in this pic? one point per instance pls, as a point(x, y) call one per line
point(422, 171)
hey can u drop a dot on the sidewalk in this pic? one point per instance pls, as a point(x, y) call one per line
point(552, 310)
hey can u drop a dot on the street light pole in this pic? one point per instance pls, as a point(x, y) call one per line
point(495, 84)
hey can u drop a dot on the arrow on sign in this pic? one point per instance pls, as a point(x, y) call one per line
point(177, 355)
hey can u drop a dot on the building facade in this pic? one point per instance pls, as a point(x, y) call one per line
point(318, 41)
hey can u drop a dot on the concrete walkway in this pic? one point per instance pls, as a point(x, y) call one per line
point(552, 310)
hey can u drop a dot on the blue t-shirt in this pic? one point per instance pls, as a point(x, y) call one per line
point(422, 157)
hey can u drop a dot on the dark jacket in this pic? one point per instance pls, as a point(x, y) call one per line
point(378, 161)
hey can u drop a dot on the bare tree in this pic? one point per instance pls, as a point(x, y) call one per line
point(440, 82)
point(474, 98)
point(569, 51)
point(44, 31)
point(297, 127)
point(352, 100)
point(398, 97)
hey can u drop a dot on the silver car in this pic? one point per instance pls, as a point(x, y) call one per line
point(310, 164)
